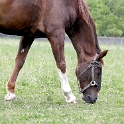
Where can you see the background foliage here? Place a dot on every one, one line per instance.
(108, 16)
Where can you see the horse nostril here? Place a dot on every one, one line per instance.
(91, 99)
(95, 99)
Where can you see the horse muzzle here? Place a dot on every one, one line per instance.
(90, 99)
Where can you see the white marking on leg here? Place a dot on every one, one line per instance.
(22, 51)
(10, 96)
(66, 87)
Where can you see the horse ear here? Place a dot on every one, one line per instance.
(101, 55)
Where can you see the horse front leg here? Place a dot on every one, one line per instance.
(57, 44)
(24, 47)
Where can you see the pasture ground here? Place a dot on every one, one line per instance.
(38, 90)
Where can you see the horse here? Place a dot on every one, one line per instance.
(52, 19)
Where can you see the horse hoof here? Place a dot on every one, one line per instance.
(74, 102)
(10, 96)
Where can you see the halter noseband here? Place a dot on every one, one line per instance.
(93, 65)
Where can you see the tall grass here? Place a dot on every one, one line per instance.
(39, 96)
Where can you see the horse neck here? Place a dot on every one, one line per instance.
(86, 50)
(85, 42)
(83, 34)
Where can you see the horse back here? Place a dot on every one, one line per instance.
(21, 17)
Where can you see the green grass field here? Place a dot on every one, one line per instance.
(39, 96)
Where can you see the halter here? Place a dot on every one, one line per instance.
(92, 66)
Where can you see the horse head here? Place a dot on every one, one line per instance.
(89, 76)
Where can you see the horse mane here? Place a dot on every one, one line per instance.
(84, 12)
(85, 15)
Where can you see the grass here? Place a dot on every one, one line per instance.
(39, 96)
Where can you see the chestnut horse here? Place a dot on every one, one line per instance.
(52, 19)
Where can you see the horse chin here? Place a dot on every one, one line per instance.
(89, 99)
